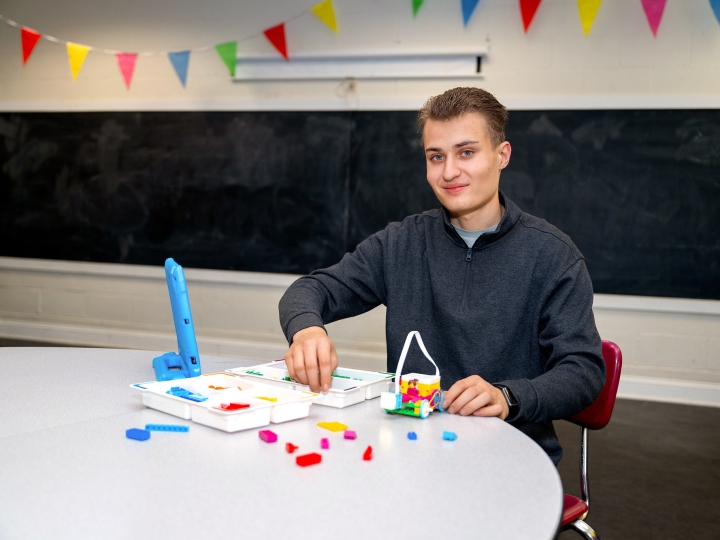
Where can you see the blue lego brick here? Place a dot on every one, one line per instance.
(449, 435)
(412, 436)
(177, 391)
(166, 427)
(137, 434)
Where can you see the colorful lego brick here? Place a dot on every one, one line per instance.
(308, 459)
(367, 455)
(268, 436)
(233, 406)
(290, 447)
(137, 434)
(412, 436)
(333, 426)
(449, 435)
(350, 434)
(265, 398)
(167, 427)
(324, 444)
(419, 384)
(177, 391)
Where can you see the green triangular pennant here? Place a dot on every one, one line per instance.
(228, 53)
(416, 6)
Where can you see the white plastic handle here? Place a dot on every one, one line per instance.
(403, 354)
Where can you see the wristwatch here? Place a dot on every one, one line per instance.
(512, 402)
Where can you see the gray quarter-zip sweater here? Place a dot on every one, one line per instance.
(515, 309)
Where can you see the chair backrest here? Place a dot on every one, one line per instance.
(597, 415)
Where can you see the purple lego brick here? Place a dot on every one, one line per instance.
(267, 435)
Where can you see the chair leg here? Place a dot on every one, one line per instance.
(583, 529)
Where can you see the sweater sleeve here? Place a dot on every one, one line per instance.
(351, 287)
(574, 368)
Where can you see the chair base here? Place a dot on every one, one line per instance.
(583, 529)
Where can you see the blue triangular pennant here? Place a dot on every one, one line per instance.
(468, 6)
(180, 61)
(715, 4)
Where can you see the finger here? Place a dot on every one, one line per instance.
(289, 363)
(463, 399)
(475, 404)
(311, 364)
(490, 410)
(324, 352)
(454, 391)
(299, 365)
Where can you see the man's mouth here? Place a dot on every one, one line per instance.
(452, 190)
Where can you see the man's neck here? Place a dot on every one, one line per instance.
(482, 218)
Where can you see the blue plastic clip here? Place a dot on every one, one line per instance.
(449, 435)
(137, 434)
(166, 427)
(412, 436)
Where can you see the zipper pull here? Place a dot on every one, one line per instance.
(468, 257)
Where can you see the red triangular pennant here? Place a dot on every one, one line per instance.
(528, 9)
(29, 39)
(276, 36)
(126, 63)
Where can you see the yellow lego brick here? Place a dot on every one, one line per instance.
(333, 426)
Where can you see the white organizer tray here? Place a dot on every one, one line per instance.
(349, 386)
(287, 404)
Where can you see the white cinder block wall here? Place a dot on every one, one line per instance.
(671, 346)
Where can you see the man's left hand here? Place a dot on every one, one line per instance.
(475, 396)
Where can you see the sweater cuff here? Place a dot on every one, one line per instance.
(526, 397)
(301, 322)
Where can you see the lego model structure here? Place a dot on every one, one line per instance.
(415, 394)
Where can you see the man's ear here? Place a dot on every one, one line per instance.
(504, 151)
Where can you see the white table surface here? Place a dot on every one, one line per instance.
(67, 471)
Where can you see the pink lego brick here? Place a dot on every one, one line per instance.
(324, 444)
(267, 435)
(350, 434)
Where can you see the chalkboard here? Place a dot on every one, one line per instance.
(637, 191)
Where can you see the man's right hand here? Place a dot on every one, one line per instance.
(311, 358)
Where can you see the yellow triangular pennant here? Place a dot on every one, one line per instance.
(76, 55)
(588, 10)
(325, 12)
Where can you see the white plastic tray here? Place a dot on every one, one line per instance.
(282, 405)
(349, 386)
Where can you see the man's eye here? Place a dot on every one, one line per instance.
(466, 153)
(436, 157)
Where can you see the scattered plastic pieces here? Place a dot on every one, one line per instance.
(272, 399)
(137, 434)
(308, 459)
(350, 434)
(324, 444)
(412, 436)
(367, 455)
(216, 387)
(233, 406)
(268, 436)
(166, 427)
(449, 435)
(290, 447)
(333, 426)
(185, 394)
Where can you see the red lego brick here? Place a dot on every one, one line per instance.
(290, 447)
(367, 455)
(308, 459)
(234, 406)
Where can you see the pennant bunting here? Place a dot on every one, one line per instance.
(180, 61)
(468, 6)
(416, 6)
(588, 9)
(325, 12)
(715, 5)
(528, 9)
(228, 53)
(654, 11)
(276, 36)
(29, 39)
(76, 56)
(126, 63)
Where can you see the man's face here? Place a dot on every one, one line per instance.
(463, 166)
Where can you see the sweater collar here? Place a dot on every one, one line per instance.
(508, 221)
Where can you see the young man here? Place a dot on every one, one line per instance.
(502, 299)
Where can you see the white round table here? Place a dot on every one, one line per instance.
(67, 471)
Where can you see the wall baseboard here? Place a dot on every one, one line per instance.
(631, 387)
(669, 391)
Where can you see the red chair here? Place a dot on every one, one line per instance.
(596, 416)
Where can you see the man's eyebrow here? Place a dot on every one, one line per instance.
(464, 143)
(432, 149)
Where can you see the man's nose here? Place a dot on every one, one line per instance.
(451, 170)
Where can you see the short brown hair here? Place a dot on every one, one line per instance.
(458, 101)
